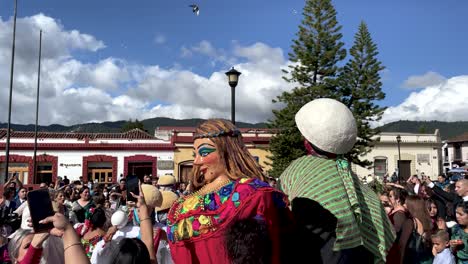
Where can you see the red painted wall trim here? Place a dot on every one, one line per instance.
(140, 158)
(29, 160)
(99, 158)
(78, 146)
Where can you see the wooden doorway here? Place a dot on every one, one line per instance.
(185, 169)
(140, 168)
(101, 175)
(405, 169)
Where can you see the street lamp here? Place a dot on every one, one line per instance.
(398, 139)
(233, 79)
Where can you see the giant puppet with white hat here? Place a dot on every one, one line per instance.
(362, 232)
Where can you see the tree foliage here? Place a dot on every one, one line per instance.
(316, 56)
(360, 89)
(129, 125)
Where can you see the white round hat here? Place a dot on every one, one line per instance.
(119, 218)
(327, 124)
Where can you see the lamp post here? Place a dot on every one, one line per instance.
(233, 79)
(398, 139)
(12, 67)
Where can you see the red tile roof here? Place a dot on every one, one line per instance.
(460, 138)
(247, 140)
(192, 129)
(132, 134)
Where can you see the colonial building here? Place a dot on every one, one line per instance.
(455, 152)
(256, 140)
(420, 153)
(94, 156)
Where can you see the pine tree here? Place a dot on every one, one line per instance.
(315, 54)
(360, 89)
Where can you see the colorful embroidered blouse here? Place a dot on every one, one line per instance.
(196, 223)
(90, 244)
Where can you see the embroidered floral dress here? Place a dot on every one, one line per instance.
(88, 244)
(196, 223)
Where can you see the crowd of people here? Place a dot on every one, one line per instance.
(317, 211)
(430, 218)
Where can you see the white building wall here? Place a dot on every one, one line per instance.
(70, 162)
(411, 145)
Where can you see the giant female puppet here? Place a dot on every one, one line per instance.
(229, 187)
(327, 198)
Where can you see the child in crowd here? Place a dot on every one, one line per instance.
(440, 248)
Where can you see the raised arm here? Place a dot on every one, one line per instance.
(146, 225)
(73, 250)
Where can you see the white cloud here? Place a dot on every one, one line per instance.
(205, 48)
(160, 39)
(75, 91)
(420, 81)
(443, 102)
(185, 52)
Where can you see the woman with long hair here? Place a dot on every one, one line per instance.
(437, 221)
(228, 185)
(59, 203)
(418, 249)
(402, 223)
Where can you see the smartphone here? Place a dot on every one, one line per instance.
(40, 207)
(132, 186)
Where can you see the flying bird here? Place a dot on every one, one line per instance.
(195, 9)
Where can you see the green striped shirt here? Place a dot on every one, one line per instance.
(361, 219)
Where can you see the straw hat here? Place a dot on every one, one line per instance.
(328, 124)
(166, 180)
(168, 198)
(152, 195)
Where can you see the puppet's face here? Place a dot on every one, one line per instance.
(206, 156)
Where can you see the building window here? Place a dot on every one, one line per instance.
(21, 170)
(43, 173)
(256, 158)
(380, 166)
(457, 152)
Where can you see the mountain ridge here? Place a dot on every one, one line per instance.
(447, 129)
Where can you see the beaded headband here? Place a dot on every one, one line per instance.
(225, 133)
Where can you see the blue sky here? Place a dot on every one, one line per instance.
(422, 44)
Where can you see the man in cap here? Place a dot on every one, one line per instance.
(327, 199)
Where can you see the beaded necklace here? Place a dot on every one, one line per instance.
(200, 194)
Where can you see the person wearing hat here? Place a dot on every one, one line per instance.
(122, 229)
(163, 251)
(167, 183)
(347, 216)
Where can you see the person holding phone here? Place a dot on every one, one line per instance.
(73, 249)
(228, 185)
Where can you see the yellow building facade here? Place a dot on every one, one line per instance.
(256, 141)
